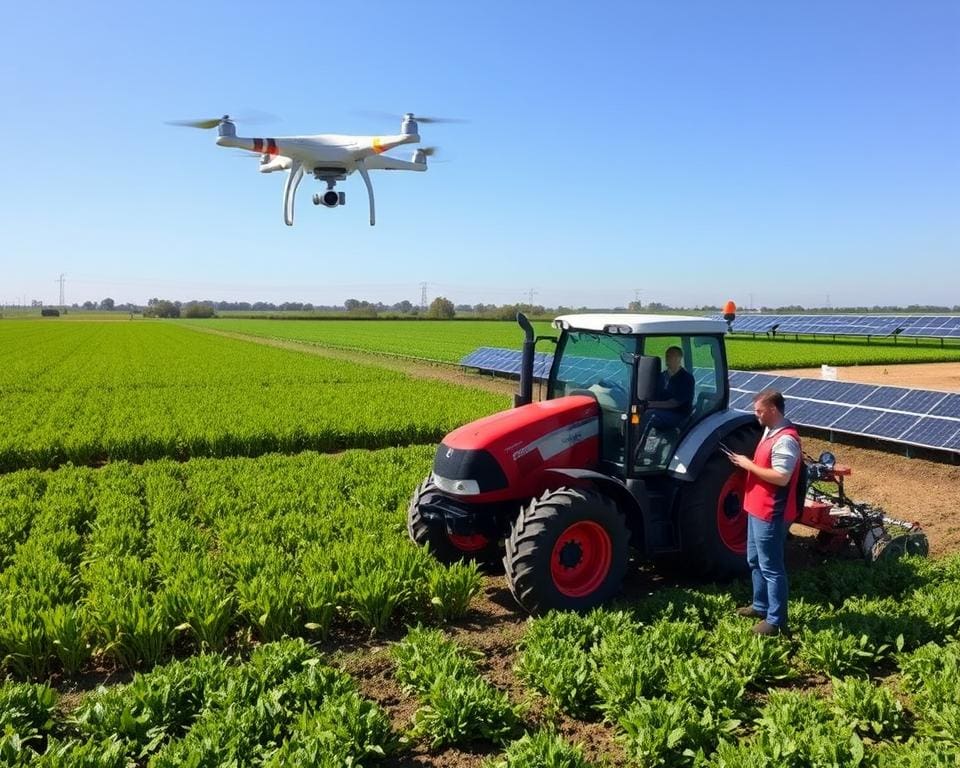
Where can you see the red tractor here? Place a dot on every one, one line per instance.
(563, 488)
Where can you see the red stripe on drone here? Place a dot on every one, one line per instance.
(272, 147)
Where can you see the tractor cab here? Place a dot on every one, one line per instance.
(624, 363)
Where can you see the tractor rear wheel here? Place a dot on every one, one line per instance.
(713, 523)
(431, 533)
(568, 550)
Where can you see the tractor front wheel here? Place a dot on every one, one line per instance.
(568, 550)
(432, 533)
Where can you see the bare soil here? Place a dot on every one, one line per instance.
(943, 376)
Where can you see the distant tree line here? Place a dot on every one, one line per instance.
(444, 309)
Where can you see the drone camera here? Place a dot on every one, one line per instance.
(331, 198)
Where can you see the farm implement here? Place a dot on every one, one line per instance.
(842, 523)
(562, 490)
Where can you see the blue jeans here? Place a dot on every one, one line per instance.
(765, 544)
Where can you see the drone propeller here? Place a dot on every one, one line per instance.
(427, 120)
(251, 118)
(375, 115)
(428, 151)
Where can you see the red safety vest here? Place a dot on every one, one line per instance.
(766, 500)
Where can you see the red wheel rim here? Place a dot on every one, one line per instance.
(731, 519)
(472, 543)
(581, 559)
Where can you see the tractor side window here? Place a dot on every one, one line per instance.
(706, 365)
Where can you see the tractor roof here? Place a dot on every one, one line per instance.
(641, 324)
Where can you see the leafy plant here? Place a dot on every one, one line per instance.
(834, 653)
(452, 588)
(540, 749)
(564, 672)
(465, 709)
(426, 655)
(659, 732)
(756, 659)
(66, 627)
(871, 710)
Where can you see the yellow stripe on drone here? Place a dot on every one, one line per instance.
(378, 146)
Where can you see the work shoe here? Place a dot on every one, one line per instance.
(767, 629)
(750, 612)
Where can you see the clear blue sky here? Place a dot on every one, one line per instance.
(694, 151)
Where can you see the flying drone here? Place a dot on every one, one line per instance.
(329, 157)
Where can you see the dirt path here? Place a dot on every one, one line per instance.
(422, 369)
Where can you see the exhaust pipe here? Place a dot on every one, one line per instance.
(525, 395)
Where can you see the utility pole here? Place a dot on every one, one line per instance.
(532, 293)
(423, 296)
(60, 280)
(636, 297)
(751, 302)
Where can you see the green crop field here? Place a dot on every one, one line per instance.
(88, 392)
(449, 341)
(220, 607)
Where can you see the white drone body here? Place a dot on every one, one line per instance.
(329, 157)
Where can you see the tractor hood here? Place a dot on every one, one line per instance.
(507, 453)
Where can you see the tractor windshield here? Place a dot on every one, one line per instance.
(595, 362)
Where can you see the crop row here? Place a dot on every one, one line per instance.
(282, 707)
(132, 563)
(90, 392)
(450, 341)
(686, 683)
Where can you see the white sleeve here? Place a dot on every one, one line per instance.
(785, 454)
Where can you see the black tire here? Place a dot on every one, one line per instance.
(590, 562)
(434, 536)
(713, 530)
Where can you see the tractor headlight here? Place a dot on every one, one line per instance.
(456, 487)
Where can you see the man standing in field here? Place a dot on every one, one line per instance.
(770, 501)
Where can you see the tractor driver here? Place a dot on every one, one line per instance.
(674, 396)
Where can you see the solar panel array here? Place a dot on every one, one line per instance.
(916, 417)
(912, 326)
(495, 360)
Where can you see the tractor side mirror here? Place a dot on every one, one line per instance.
(648, 373)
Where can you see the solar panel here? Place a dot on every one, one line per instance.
(494, 360)
(891, 425)
(884, 397)
(856, 420)
(913, 326)
(949, 406)
(741, 401)
(932, 431)
(813, 414)
(740, 378)
(920, 401)
(806, 388)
